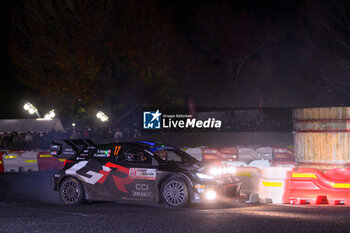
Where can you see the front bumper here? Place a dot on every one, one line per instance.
(223, 192)
(55, 181)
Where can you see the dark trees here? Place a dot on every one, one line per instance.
(111, 55)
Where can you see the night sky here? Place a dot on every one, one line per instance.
(294, 87)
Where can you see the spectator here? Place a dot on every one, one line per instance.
(86, 133)
(118, 136)
(136, 133)
(28, 137)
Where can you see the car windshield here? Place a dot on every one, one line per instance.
(172, 154)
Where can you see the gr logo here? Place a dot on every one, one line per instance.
(151, 120)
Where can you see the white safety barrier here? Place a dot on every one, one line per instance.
(247, 154)
(261, 163)
(249, 176)
(13, 162)
(264, 153)
(272, 184)
(195, 152)
(234, 163)
(20, 161)
(30, 160)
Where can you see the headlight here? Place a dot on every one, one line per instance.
(210, 194)
(204, 176)
(218, 171)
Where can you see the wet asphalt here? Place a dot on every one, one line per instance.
(28, 204)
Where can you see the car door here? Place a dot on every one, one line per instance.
(137, 175)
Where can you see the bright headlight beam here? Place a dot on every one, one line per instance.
(218, 171)
(204, 176)
(210, 194)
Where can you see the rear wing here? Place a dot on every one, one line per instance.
(70, 148)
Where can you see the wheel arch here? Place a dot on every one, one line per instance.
(181, 176)
(80, 181)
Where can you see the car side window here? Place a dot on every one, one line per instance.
(134, 155)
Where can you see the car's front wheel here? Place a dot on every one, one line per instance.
(71, 191)
(174, 192)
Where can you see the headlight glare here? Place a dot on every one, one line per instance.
(204, 176)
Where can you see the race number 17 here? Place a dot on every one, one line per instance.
(116, 150)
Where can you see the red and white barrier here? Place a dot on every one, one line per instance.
(311, 186)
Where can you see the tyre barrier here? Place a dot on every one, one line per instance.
(47, 162)
(311, 186)
(272, 184)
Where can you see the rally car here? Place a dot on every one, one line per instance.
(140, 171)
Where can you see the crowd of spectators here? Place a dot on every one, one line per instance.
(8, 139)
(117, 134)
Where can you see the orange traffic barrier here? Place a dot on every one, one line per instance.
(225, 154)
(211, 154)
(311, 186)
(229, 153)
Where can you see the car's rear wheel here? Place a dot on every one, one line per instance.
(71, 191)
(174, 192)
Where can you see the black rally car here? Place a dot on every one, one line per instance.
(140, 171)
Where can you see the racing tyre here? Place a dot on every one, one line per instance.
(174, 192)
(71, 191)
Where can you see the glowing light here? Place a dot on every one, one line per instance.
(31, 111)
(50, 115)
(102, 116)
(210, 194)
(217, 171)
(30, 108)
(26, 106)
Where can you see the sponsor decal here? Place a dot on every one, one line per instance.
(141, 190)
(142, 173)
(103, 153)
